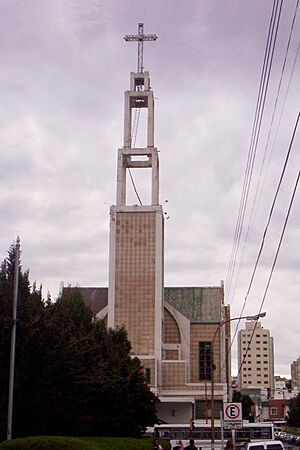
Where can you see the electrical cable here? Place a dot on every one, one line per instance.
(260, 105)
(235, 240)
(249, 228)
(266, 227)
(134, 187)
(273, 267)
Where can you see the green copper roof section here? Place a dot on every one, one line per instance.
(198, 304)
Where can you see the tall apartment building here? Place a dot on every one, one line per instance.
(258, 367)
(295, 373)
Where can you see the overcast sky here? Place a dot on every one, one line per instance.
(64, 68)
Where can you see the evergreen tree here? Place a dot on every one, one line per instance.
(73, 376)
(28, 304)
(247, 405)
(293, 415)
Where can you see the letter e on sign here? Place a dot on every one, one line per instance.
(233, 415)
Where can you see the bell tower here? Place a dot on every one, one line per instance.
(135, 293)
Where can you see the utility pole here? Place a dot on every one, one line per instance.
(13, 340)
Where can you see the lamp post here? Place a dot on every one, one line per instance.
(213, 367)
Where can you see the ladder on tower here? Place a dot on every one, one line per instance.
(135, 125)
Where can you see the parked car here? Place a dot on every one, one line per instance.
(290, 439)
(297, 441)
(265, 445)
(282, 435)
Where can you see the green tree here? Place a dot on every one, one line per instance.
(29, 302)
(73, 376)
(293, 415)
(247, 405)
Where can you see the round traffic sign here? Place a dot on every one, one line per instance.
(232, 411)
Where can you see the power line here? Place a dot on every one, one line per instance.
(267, 226)
(273, 266)
(134, 187)
(269, 134)
(239, 218)
(260, 105)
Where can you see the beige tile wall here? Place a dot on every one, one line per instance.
(173, 375)
(135, 277)
(171, 330)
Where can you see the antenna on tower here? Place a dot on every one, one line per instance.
(140, 38)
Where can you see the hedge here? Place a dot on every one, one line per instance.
(65, 443)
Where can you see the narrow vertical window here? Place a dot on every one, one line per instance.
(205, 360)
(148, 375)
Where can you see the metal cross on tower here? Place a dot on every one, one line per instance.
(140, 38)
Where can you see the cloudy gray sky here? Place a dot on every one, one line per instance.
(64, 68)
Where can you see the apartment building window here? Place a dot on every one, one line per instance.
(265, 342)
(259, 382)
(265, 382)
(258, 362)
(266, 375)
(257, 356)
(258, 342)
(273, 411)
(265, 349)
(205, 360)
(258, 368)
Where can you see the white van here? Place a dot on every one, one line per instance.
(265, 445)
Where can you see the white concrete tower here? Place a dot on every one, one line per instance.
(135, 293)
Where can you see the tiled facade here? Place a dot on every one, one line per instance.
(171, 330)
(135, 278)
(174, 375)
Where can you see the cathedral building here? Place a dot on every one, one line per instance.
(178, 333)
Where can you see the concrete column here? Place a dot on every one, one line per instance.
(155, 178)
(159, 276)
(112, 269)
(150, 131)
(127, 120)
(121, 179)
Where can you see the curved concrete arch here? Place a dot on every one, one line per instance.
(184, 329)
(102, 313)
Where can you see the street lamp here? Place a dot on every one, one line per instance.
(213, 367)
